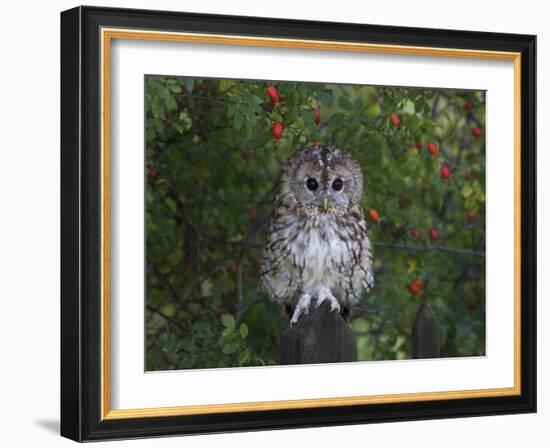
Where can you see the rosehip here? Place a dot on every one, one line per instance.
(415, 233)
(419, 145)
(373, 214)
(152, 173)
(410, 145)
(476, 132)
(277, 130)
(316, 115)
(445, 172)
(434, 150)
(273, 94)
(471, 216)
(256, 261)
(395, 120)
(434, 234)
(468, 105)
(415, 287)
(472, 306)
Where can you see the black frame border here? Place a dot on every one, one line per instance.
(81, 223)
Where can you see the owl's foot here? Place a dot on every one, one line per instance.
(302, 307)
(326, 294)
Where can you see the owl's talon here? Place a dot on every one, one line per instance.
(302, 307)
(326, 294)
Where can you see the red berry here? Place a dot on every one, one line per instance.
(468, 105)
(476, 132)
(445, 172)
(419, 145)
(434, 234)
(273, 94)
(316, 115)
(253, 214)
(434, 150)
(415, 233)
(410, 146)
(256, 261)
(471, 216)
(374, 215)
(395, 119)
(472, 306)
(416, 286)
(277, 130)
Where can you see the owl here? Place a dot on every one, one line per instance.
(317, 247)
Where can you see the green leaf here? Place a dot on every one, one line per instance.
(243, 329)
(151, 134)
(467, 191)
(171, 204)
(206, 288)
(169, 309)
(231, 348)
(244, 357)
(256, 100)
(171, 103)
(189, 84)
(175, 88)
(344, 103)
(238, 121)
(227, 331)
(228, 321)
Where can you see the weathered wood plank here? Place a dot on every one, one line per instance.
(425, 334)
(321, 337)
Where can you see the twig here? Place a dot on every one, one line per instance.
(428, 248)
(363, 311)
(168, 319)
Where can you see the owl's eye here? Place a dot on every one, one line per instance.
(338, 184)
(312, 184)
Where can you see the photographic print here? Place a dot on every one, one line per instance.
(347, 219)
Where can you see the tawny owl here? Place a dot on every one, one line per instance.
(317, 245)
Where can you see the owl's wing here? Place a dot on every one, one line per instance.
(359, 269)
(279, 277)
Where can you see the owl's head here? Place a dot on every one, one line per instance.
(323, 179)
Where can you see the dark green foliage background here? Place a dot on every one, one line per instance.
(212, 164)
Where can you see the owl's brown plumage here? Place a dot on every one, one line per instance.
(317, 245)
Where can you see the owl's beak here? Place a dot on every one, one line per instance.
(325, 204)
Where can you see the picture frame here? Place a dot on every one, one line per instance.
(87, 34)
